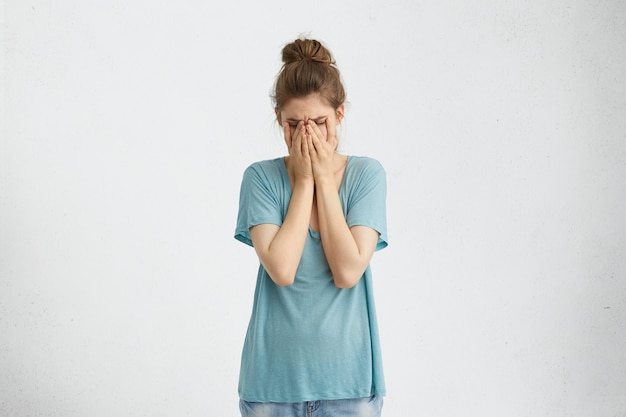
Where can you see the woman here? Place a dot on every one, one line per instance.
(315, 218)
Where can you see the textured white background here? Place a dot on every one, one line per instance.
(126, 126)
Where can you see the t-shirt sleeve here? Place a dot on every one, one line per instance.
(258, 203)
(368, 200)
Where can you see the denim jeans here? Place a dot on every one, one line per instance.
(355, 407)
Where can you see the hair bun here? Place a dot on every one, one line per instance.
(307, 50)
(308, 67)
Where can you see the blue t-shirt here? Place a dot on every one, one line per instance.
(311, 340)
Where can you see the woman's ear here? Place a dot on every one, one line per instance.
(339, 113)
(278, 117)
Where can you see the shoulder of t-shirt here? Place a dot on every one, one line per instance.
(367, 165)
(266, 168)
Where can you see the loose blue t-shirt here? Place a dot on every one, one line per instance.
(311, 340)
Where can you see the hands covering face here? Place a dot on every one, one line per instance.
(298, 151)
(311, 148)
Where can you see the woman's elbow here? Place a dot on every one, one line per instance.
(282, 278)
(346, 281)
(283, 282)
(281, 274)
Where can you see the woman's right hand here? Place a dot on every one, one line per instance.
(299, 158)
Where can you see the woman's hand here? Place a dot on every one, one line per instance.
(321, 149)
(299, 158)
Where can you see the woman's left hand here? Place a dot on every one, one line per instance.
(322, 149)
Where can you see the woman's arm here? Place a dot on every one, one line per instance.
(348, 250)
(280, 248)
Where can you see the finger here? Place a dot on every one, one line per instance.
(296, 138)
(306, 151)
(312, 152)
(297, 142)
(316, 137)
(300, 130)
(307, 140)
(314, 130)
(287, 133)
(310, 149)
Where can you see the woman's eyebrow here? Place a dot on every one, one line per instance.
(301, 120)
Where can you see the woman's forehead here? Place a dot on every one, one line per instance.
(309, 107)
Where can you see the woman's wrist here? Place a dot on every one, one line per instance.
(323, 181)
(304, 182)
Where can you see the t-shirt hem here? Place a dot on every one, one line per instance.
(313, 397)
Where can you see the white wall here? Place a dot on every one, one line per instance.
(126, 126)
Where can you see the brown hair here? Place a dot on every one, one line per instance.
(308, 67)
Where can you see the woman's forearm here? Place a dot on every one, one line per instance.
(347, 255)
(280, 248)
